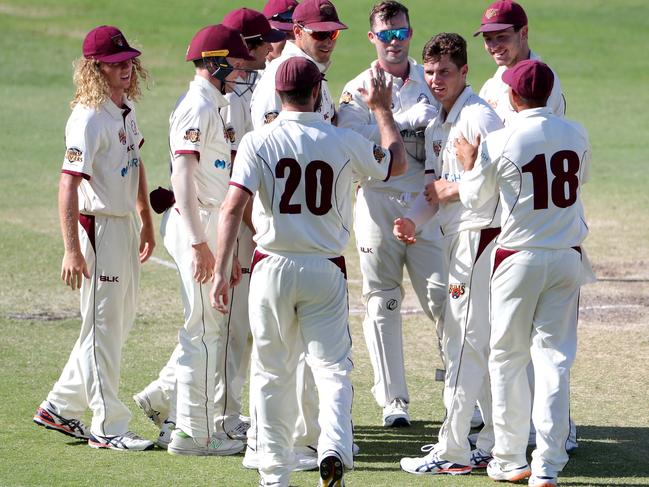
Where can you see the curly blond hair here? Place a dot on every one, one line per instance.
(92, 87)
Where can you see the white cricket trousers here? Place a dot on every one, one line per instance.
(196, 353)
(90, 378)
(235, 343)
(382, 258)
(296, 303)
(465, 343)
(534, 307)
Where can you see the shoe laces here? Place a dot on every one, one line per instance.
(132, 436)
(429, 447)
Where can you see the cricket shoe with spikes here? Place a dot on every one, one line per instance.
(331, 471)
(47, 417)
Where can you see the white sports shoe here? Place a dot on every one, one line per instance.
(480, 458)
(396, 414)
(510, 473)
(46, 416)
(542, 481)
(183, 444)
(164, 438)
(144, 403)
(129, 441)
(239, 430)
(306, 458)
(432, 464)
(476, 419)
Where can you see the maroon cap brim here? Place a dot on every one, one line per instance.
(325, 26)
(273, 35)
(492, 28)
(283, 26)
(118, 57)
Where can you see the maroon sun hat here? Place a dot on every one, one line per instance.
(253, 24)
(217, 40)
(531, 79)
(502, 15)
(107, 43)
(297, 72)
(280, 13)
(318, 15)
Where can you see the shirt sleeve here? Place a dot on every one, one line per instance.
(246, 173)
(233, 120)
(187, 131)
(557, 101)
(481, 183)
(81, 145)
(265, 104)
(368, 159)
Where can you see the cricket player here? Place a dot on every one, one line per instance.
(536, 166)
(316, 27)
(300, 169)
(505, 34)
(234, 343)
(102, 187)
(469, 239)
(378, 204)
(200, 171)
(280, 15)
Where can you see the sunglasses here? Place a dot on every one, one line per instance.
(388, 35)
(321, 36)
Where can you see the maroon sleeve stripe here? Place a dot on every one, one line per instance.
(141, 143)
(389, 166)
(184, 151)
(75, 173)
(241, 186)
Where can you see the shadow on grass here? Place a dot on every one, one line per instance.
(604, 451)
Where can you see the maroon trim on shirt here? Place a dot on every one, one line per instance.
(340, 262)
(185, 151)
(429, 171)
(256, 257)
(141, 143)
(88, 224)
(75, 173)
(577, 248)
(487, 235)
(389, 166)
(241, 186)
(501, 255)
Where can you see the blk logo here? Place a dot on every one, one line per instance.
(109, 278)
(366, 250)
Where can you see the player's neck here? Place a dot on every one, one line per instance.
(523, 55)
(448, 104)
(117, 97)
(401, 70)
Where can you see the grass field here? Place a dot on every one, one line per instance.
(599, 50)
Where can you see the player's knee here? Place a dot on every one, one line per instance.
(384, 304)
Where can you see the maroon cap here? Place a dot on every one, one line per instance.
(502, 15)
(253, 25)
(107, 43)
(217, 40)
(318, 15)
(280, 13)
(297, 72)
(530, 79)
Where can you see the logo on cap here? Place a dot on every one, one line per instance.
(327, 10)
(490, 13)
(118, 40)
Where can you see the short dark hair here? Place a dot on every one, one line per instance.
(450, 44)
(534, 102)
(296, 97)
(387, 10)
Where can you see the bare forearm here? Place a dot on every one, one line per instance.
(69, 213)
(229, 221)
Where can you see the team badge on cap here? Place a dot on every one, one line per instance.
(74, 155)
(491, 13)
(345, 98)
(193, 135)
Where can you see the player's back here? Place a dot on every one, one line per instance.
(543, 165)
(304, 193)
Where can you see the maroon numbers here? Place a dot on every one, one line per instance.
(318, 178)
(564, 166)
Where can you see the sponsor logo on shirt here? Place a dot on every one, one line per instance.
(345, 98)
(270, 116)
(366, 250)
(122, 136)
(379, 153)
(221, 164)
(456, 290)
(134, 127)
(452, 178)
(109, 278)
(193, 135)
(74, 155)
(134, 162)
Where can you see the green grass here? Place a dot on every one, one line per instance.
(597, 47)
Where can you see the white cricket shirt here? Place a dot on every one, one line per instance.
(196, 127)
(266, 105)
(103, 146)
(537, 165)
(496, 92)
(469, 117)
(354, 113)
(236, 115)
(301, 170)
